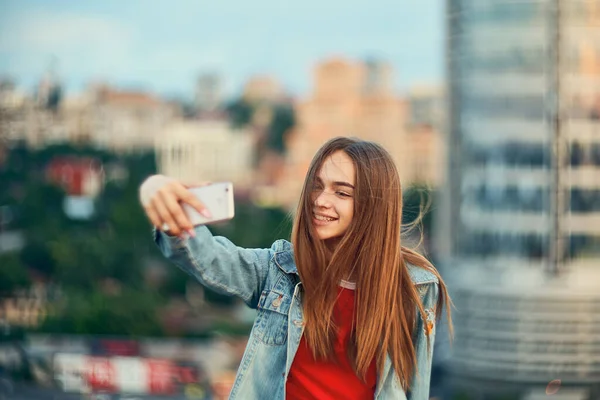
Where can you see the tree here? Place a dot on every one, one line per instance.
(240, 113)
(283, 121)
(37, 256)
(254, 226)
(130, 313)
(12, 274)
(417, 203)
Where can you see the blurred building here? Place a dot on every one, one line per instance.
(104, 117)
(82, 179)
(10, 96)
(25, 120)
(78, 176)
(27, 307)
(426, 106)
(127, 120)
(33, 119)
(209, 94)
(13, 104)
(263, 88)
(197, 151)
(520, 222)
(358, 99)
(49, 92)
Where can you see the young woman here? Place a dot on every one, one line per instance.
(344, 310)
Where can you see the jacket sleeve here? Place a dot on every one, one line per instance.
(219, 264)
(425, 333)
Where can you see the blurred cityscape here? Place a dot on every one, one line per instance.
(523, 194)
(506, 151)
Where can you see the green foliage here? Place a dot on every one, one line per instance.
(113, 246)
(129, 313)
(283, 120)
(240, 113)
(461, 396)
(13, 275)
(36, 255)
(82, 260)
(229, 329)
(175, 283)
(255, 227)
(417, 203)
(78, 254)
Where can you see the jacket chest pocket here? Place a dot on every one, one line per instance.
(271, 324)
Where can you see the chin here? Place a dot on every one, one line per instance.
(329, 235)
(326, 235)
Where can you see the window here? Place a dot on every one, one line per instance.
(585, 200)
(492, 244)
(511, 198)
(581, 246)
(530, 107)
(584, 154)
(511, 154)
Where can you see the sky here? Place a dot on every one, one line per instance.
(163, 46)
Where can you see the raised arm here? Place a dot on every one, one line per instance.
(214, 261)
(219, 264)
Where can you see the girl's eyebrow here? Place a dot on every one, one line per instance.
(336, 183)
(341, 183)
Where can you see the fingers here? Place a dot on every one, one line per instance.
(165, 216)
(185, 195)
(153, 216)
(162, 198)
(170, 200)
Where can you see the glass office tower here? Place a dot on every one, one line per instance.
(519, 237)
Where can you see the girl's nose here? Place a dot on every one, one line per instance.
(323, 200)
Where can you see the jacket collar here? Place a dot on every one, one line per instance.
(421, 276)
(285, 261)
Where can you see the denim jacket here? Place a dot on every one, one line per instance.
(267, 280)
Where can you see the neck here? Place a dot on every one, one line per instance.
(332, 244)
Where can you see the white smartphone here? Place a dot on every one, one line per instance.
(218, 199)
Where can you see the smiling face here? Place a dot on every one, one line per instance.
(333, 196)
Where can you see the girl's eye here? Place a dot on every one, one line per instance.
(343, 194)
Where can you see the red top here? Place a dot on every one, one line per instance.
(325, 380)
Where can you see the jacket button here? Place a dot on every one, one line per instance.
(298, 322)
(276, 303)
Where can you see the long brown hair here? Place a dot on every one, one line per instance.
(386, 299)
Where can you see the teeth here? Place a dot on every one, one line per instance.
(322, 218)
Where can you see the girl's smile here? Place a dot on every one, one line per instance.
(322, 220)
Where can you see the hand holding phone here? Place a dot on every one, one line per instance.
(176, 208)
(217, 198)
